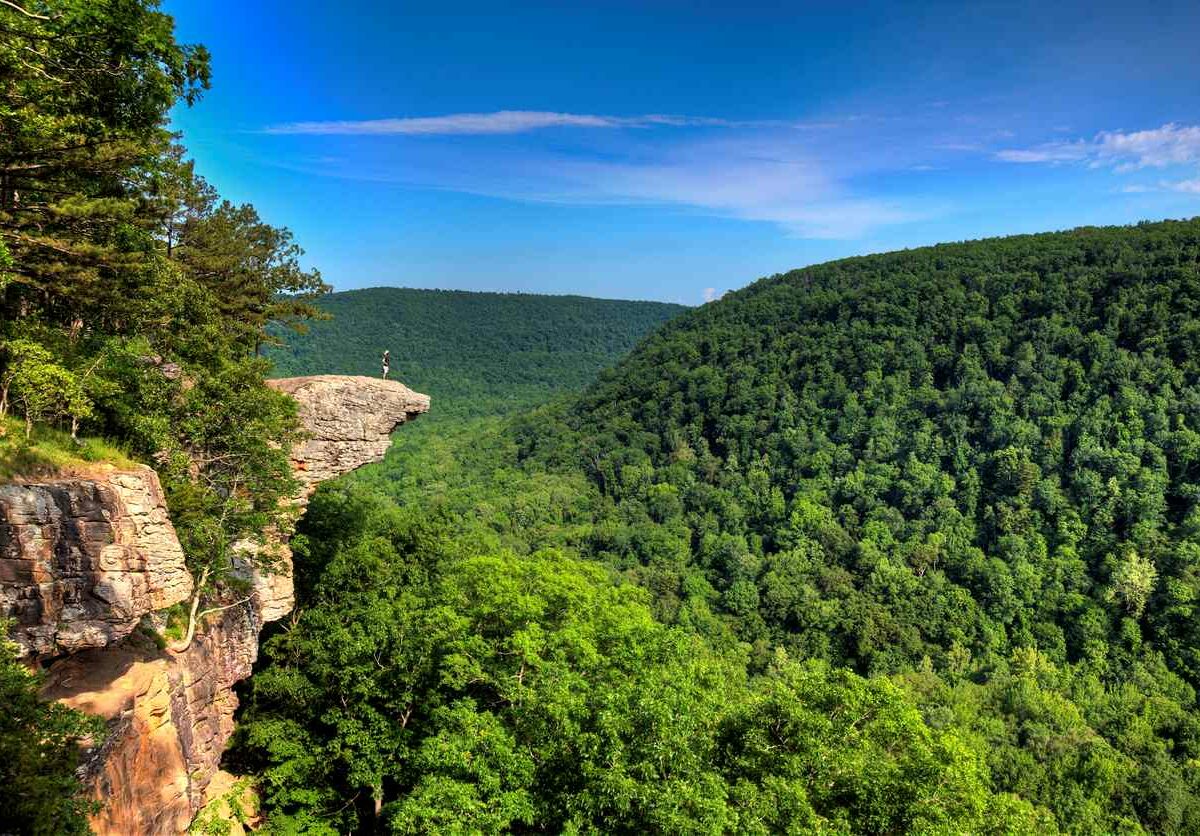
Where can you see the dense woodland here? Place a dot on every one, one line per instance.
(903, 543)
(484, 354)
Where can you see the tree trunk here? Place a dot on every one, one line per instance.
(183, 645)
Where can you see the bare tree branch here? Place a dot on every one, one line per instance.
(14, 6)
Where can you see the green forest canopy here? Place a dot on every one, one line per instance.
(476, 354)
(964, 477)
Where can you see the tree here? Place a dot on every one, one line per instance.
(1132, 582)
(87, 87)
(252, 268)
(228, 475)
(44, 390)
(39, 751)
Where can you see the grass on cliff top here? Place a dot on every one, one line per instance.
(50, 451)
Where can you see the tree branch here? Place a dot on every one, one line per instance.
(196, 618)
(14, 6)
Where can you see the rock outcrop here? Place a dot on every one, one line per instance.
(82, 559)
(170, 714)
(350, 421)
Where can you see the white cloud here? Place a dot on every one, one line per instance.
(833, 219)
(1170, 145)
(498, 122)
(748, 179)
(1053, 152)
(1183, 186)
(797, 175)
(1166, 146)
(710, 293)
(958, 146)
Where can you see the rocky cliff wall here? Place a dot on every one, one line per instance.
(170, 714)
(82, 559)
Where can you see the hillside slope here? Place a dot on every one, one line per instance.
(477, 353)
(968, 473)
(1015, 419)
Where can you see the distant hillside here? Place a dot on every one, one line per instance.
(968, 473)
(474, 353)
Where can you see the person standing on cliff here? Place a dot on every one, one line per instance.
(387, 363)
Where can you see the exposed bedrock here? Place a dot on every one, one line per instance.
(350, 421)
(83, 559)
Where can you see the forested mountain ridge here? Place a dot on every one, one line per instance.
(962, 476)
(1031, 398)
(481, 353)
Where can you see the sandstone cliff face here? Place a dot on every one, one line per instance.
(169, 718)
(170, 715)
(83, 559)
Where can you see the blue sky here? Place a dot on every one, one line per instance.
(671, 150)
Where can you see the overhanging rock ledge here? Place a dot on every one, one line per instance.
(170, 715)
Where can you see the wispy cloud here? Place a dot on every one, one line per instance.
(1181, 186)
(1170, 145)
(748, 178)
(795, 174)
(1050, 152)
(964, 147)
(498, 122)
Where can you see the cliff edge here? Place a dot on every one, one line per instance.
(84, 558)
(350, 421)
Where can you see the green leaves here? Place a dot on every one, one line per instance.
(1132, 582)
(39, 387)
(491, 693)
(83, 110)
(816, 749)
(39, 751)
(473, 777)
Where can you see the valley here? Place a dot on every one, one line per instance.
(904, 539)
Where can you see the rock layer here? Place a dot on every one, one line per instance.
(83, 559)
(170, 715)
